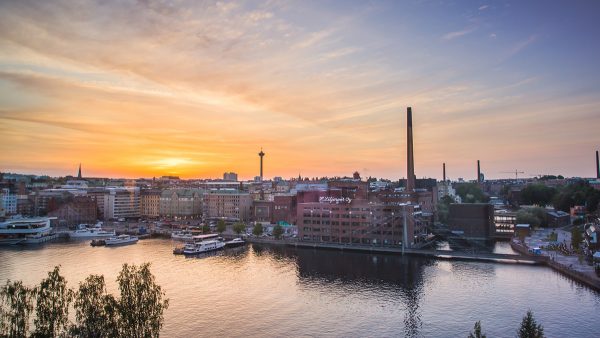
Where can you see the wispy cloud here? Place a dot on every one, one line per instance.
(521, 45)
(481, 8)
(458, 34)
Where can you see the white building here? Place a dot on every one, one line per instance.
(121, 202)
(8, 202)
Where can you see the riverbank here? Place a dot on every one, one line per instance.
(556, 262)
(439, 254)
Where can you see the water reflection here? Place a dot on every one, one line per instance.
(402, 276)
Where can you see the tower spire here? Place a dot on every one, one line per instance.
(79, 172)
(261, 154)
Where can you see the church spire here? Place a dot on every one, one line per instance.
(79, 172)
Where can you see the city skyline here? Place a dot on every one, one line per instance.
(196, 89)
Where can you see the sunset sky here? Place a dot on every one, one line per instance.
(192, 88)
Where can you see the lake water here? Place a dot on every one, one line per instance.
(267, 291)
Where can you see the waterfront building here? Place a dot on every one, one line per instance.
(97, 194)
(25, 230)
(79, 210)
(230, 204)
(121, 202)
(284, 208)
(472, 220)
(150, 202)
(181, 203)
(504, 223)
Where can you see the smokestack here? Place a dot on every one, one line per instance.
(597, 166)
(444, 171)
(478, 172)
(410, 161)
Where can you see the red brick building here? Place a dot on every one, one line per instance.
(81, 209)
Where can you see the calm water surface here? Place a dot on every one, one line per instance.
(262, 291)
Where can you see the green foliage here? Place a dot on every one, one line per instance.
(443, 208)
(52, 306)
(578, 193)
(277, 231)
(576, 237)
(205, 229)
(138, 313)
(221, 226)
(471, 193)
(16, 304)
(258, 229)
(96, 311)
(530, 328)
(239, 227)
(525, 217)
(476, 331)
(535, 216)
(140, 308)
(538, 194)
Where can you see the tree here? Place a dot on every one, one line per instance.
(476, 331)
(530, 328)
(95, 310)
(576, 237)
(277, 231)
(52, 307)
(443, 209)
(239, 227)
(538, 194)
(221, 226)
(140, 308)
(205, 229)
(258, 229)
(524, 217)
(471, 193)
(16, 304)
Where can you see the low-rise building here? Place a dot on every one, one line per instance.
(472, 220)
(230, 204)
(185, 203)
(81, 209)
(558, 218)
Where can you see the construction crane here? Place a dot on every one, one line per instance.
(516, 172)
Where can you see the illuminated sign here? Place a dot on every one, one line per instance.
(336, 200)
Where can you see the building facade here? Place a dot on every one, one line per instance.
(185, 203)
(121, 202)
(228, 204)
(150, 203)
(81, 209)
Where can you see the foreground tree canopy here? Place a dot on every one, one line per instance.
(138, 312)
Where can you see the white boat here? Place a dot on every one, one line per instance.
(235, 243)
(26, 230)
(91, 233)
(121, 240)
(203, 246)
(182, 235)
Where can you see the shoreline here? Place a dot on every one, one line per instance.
(523, 258)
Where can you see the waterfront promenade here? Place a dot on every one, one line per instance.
(440, 254)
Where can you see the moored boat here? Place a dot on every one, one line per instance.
(203, 246)
(235, 243)
(121, 240)
(95, 232)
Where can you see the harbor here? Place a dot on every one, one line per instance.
(289, 287)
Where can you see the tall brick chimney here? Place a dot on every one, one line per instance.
(410, 161)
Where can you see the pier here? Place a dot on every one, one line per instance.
(439, 254)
